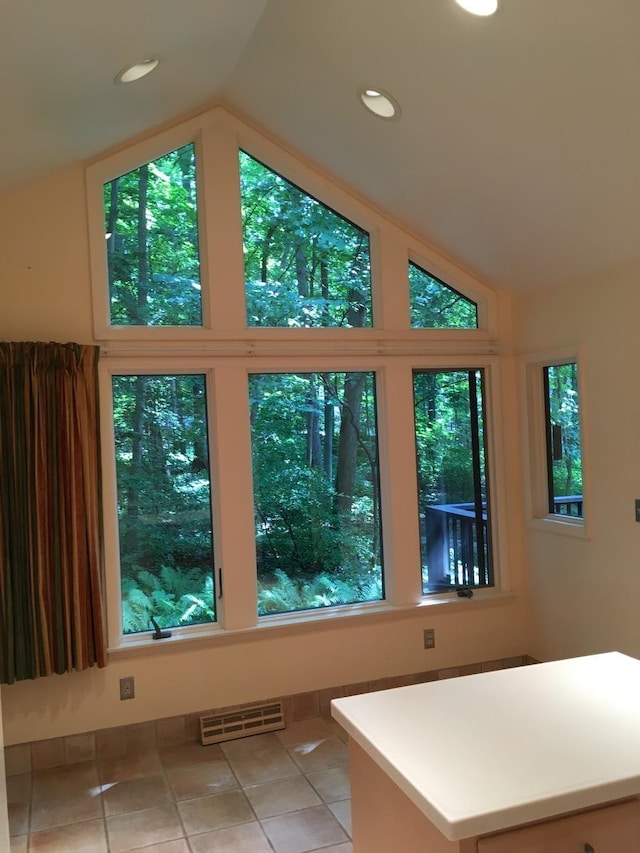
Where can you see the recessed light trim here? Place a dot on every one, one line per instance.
(479, 7)
(136, 71)
(379, 102)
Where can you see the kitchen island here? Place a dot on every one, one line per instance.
(536, 759)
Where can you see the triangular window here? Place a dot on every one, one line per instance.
(435, 305)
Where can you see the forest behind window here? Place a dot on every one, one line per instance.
(151, 223)
(435, 305)
(305, 265)
(164, 500)
(564, 456)
(317, 495)
(297, 424)
(453, 486)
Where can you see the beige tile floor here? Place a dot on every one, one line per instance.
(282, 792)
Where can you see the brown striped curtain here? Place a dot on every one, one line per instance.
(51, 609)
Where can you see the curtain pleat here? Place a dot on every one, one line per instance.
(51, 606)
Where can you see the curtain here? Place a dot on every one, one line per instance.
(51, 608)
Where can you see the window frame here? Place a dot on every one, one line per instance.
(226, 350)
(537, 474)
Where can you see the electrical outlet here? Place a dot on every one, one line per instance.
(429, 638)
(127, 687)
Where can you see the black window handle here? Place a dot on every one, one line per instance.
(589, 849)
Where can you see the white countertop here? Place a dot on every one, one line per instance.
(484, 752)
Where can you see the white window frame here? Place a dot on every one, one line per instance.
(536, 472)
(226, 350)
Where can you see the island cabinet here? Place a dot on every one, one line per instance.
(609, 829)
(541, 759)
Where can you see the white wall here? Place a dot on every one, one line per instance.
(45, 294)
(585, 595)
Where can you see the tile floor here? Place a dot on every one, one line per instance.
(282, 792)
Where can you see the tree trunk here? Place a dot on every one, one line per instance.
(142, 317)
(348, 443)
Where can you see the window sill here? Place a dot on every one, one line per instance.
(561, 525)
(290, 625)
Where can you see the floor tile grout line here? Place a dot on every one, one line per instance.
(289, 750)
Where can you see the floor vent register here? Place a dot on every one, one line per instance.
(242, 723)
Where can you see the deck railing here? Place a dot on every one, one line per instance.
(450, 550)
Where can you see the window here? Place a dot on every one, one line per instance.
(435, 305)
(317, 495)
(556, 443)
(259, 420)
(305, 265)
(151, 223)
(562, 429)
(453, 492)
(164, 500)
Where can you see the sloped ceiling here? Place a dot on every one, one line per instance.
(516, 153)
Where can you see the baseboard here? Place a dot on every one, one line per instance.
(170, 731)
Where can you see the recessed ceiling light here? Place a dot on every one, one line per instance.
(380, 103)
(479, 7)
(136, 71)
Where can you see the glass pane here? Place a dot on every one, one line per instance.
(435, 305)
(151, 220)
(317, 496)
(452, 479)
(563, 439)
(164, 501)
(305, 265)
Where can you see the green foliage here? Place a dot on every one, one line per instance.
(435, 305)
(564, 412)
(314, 435)
(173, 597)
(311, 522)
(305, 265)
(164, 496)
(443, 436)
(285, 594)
(152, 243)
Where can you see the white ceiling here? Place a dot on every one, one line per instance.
(517, 151)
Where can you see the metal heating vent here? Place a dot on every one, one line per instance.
(241, 723)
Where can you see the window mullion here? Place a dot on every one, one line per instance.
(399, 485)
(390, 281)
(230, 448)
(221, 239)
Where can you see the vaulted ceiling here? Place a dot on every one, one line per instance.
(516, 152)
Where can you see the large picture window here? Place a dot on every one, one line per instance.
(317, 495)
(258, 421)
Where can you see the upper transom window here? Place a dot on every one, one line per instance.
(436, 305)
(151, 220)
(305, 264)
